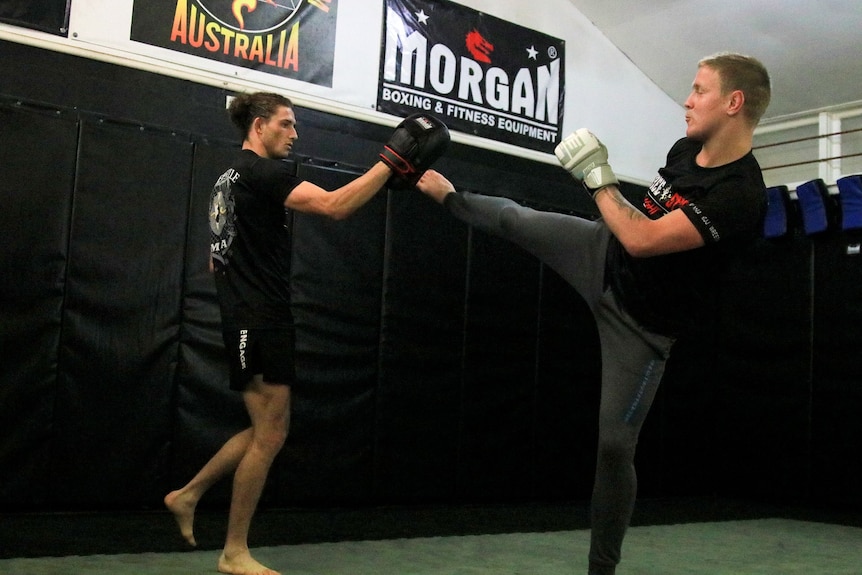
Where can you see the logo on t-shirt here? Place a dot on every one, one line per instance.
(222, 218)
(661, 199)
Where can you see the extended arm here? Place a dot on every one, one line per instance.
(340, 203)
(414, 145)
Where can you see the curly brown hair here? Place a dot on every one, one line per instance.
(244, 108)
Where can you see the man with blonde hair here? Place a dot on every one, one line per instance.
(648, 272)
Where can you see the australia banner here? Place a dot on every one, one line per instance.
(290, 38)
(479, 74)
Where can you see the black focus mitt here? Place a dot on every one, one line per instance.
(415, 144)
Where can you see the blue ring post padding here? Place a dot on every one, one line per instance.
(850, 197)
(812, 197)
(775, 223)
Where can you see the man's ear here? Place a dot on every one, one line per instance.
(257, 125)
(735, 102)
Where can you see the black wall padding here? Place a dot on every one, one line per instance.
(763, 371)
(454, 420)
(419, 416)
(499, 368)
(436, 363)
(675, 450)
(79, 83)
(121, 315)
(37, 158)
(51, 16)
(336, 283)
(837, 369)
(566, 397)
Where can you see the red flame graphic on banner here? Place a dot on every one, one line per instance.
(479, 47)
(251, 6)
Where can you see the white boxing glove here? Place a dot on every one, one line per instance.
(586, 158)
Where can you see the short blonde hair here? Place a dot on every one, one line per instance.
(740, 72)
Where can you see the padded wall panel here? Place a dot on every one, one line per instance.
(419, 399)
(816, 207)
(676, 449)
(777, 220)
(336, 275)
(122, 314)
(837, 370)
(38, 162)
(763, 372)
(113, 91)
(499, 370)
(850, 201)
(206, 412)
(757, 383)
(567, 394)
(51, 16)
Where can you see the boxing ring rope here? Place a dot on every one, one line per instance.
(808, 139)
(804, 162)
(816, 155)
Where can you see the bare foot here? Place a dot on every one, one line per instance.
(184, 513)
(243, 564)
(435, 185)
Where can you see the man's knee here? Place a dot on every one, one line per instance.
(617, 448)
(509, 219)
(271, 439)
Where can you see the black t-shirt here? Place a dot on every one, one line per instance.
(250, 242)
(674, 294)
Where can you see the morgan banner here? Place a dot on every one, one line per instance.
(479, 74)
(290, 38)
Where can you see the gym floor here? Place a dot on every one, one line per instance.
(703, 536)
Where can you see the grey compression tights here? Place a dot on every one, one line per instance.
(633, 359)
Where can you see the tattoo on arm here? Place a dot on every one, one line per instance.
(624, 205)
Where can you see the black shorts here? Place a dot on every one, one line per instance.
(268, 352)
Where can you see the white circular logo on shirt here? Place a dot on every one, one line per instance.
(222, 217)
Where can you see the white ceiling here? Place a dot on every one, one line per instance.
(813, 50)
